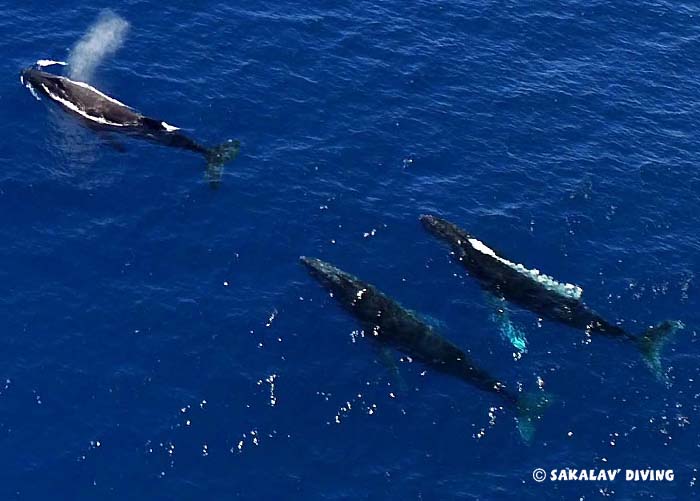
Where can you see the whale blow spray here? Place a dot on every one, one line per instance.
(103, 39)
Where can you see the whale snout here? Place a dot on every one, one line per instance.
(322, 270)
(433, 224)
(23, 74)
(314, 265)
(443, 229)
(427, 219)
(28, 76)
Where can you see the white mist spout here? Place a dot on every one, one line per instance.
(103, 39)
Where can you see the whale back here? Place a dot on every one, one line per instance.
(83, 99)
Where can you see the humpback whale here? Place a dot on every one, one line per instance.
(541, 293)
(101, 112)
(391, 325)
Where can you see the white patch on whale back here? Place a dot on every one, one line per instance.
(49, 62)
(564, 289)
(98, 92)
(169, 128)
(74, 108)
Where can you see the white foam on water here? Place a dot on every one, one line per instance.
(564, 289)
(74, 108)
(102, 39)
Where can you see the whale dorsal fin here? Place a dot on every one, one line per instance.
(152, 123)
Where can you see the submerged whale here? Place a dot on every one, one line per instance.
(392, 325)
(541, 293)
(104, 113)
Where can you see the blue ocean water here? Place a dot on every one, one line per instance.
(161, 341)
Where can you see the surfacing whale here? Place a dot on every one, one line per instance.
(388, 323)
(541, 293)
(104, 113)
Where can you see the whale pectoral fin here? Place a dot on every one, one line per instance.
(113, 143)
(387, 359)
(109, 140)
(530, 407)
(509, 330)
(434, 322)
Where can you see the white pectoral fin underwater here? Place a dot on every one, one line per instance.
(541, 294)
(530, 408)
(399, 328)
(509, 330)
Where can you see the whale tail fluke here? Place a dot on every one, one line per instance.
(217, 157)
(652, 342)
(530, 408)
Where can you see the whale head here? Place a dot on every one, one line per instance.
(38, 81)
(30, 76)
(324, 272)
(342, 284)
(444, 229)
